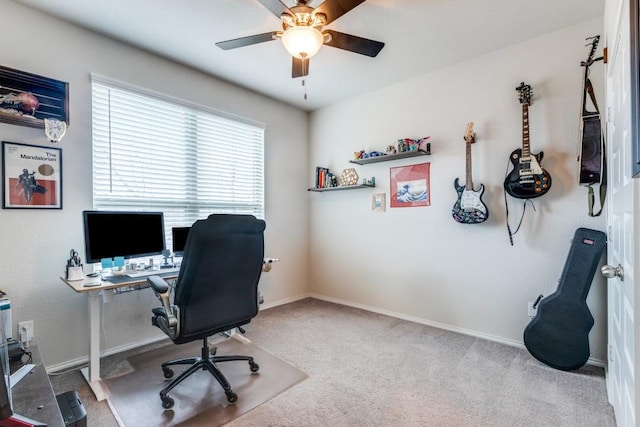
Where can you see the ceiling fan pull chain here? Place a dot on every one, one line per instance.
(305, 88)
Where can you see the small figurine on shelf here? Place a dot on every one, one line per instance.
(391, 149)
(375, 154)
(371, 182)
(408, 144)
(364, 155)
(422, 143)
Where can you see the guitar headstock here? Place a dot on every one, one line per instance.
(592, 51)
(468, 135)
(524, 93)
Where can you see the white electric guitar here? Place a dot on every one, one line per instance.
(469, 208)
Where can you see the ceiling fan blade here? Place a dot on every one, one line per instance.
(334, 9)
(299, 67)
(354, 43)
(246, 41)
(276, 7)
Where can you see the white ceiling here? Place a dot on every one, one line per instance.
(419, 35)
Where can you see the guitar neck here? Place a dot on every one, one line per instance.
(526, 150)
(469, 182)
(585, 79)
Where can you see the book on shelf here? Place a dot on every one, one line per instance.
(324, 178)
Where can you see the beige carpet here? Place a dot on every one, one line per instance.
(199, 400)
(370, 370)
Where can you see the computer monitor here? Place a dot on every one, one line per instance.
(179, 239)
(110, 234)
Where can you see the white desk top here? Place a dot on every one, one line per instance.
(90, 284)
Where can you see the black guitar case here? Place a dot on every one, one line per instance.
(558, 335)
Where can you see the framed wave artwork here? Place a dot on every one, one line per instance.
(409, 186)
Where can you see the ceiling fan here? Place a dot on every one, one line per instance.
(303, 35)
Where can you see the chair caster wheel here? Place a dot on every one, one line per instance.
(231, 397)
(254, 366)
(167, 402)
(168, 373)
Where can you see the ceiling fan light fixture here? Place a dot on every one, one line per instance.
(302, 41)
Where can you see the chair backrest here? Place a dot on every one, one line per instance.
(217, 287)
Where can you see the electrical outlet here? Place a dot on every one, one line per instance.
(531, 311)
(25, 331)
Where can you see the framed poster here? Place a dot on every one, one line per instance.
(31, 176)
(409, 186)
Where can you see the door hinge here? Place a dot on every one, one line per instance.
(610, 351)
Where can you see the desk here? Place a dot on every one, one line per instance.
(33, 396)
(92, 373)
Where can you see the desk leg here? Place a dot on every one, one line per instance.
(92, 374)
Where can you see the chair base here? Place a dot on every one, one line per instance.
(206, 362)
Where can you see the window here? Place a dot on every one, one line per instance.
(155, 153)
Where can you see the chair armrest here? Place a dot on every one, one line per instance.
(161, 287)
(158, 284)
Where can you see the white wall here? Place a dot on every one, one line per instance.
(36, 243)
(419, 262)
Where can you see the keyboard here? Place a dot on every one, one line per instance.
(159, 272)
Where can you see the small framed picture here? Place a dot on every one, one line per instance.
(378, 202)
(31, 176)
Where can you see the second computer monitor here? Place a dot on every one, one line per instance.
(179, 236)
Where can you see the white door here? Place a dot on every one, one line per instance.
(620, 217)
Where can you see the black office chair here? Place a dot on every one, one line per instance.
(216, 291)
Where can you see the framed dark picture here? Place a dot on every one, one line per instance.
(31, 176)
(635, 85)
(27, 99)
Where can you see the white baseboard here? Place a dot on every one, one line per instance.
(79, 362)
(397, 315)
(284, 301)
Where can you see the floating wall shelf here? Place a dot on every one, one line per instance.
(389, 157)
(341, 187)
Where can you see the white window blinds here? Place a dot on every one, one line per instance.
(154, 153)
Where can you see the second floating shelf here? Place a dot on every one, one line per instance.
(340, 187)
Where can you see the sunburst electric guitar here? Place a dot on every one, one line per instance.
(469, 208)
(527, 179)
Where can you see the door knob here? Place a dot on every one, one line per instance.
(610, 272)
